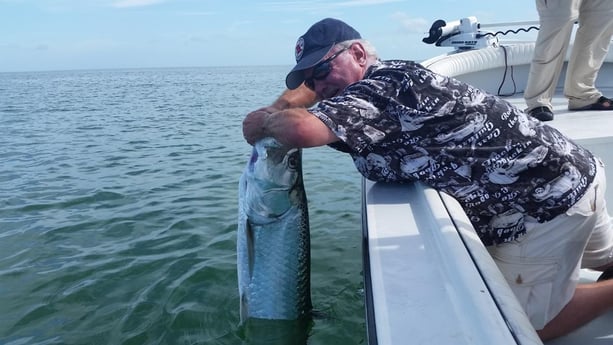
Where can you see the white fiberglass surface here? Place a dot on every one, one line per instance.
(425, 286)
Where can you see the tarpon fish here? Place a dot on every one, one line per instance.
(273, 239)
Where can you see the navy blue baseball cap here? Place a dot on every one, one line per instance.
(315, 44)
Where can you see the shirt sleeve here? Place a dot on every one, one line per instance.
(358, 116)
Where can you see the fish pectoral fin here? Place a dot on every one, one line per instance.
(244, 307)
(249, 232)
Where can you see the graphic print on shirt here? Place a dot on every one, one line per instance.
(506, 171)
(405, 123)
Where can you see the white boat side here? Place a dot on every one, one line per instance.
(428, 278)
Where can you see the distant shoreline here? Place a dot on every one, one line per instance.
(143, 68)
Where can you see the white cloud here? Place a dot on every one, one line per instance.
(411, 24)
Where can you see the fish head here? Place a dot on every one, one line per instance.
(274, 172)
(277, 165)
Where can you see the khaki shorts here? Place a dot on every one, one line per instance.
(542, 267)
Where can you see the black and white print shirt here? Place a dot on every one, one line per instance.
(405, 123)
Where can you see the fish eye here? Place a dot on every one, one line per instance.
(292, 162)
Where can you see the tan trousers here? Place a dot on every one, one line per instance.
(542, 267)
(592, 39)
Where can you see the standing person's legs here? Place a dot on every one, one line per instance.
(590, 48)
(556, 23)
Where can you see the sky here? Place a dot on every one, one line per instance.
(39, 35)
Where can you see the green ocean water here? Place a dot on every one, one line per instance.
(118, 209)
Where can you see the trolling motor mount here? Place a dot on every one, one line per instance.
(463, 34)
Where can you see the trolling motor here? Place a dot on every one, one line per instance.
(463, 34)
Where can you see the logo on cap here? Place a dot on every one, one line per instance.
(299, 48)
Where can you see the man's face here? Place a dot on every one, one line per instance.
(337, 70)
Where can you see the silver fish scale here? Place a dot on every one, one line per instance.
(273, 248)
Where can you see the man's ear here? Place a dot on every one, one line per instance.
(358, 51)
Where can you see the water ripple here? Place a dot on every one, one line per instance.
(118, 209)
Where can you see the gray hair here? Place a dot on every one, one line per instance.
(370, 49)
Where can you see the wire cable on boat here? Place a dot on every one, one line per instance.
(443, 34)
(504, 76)
(494, 34)
(506, 63)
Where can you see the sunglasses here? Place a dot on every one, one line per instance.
(321, 70)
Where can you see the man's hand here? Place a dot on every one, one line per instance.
(254, 125)
(294, 127)
(257, 123)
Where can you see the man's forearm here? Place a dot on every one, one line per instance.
(298, 128)
(301, 97)
(288, 120)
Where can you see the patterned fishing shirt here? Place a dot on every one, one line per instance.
(404, 123)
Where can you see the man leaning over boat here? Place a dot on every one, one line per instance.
(534, 197)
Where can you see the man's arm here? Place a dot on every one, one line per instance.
(288, 121)
(294, 127)
(302, 97)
